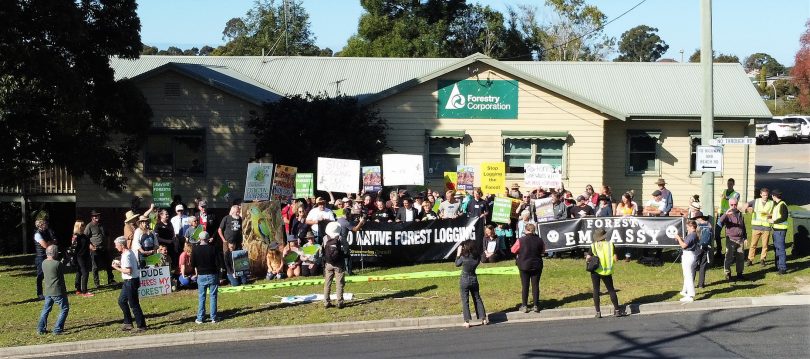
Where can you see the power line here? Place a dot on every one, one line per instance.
(583, 35)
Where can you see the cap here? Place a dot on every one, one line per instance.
(656, 193)
(93, 213)
(777, 192)
(121, 240)
(178, 207)
(698, 214)
(581, 198)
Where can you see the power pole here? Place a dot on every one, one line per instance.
(707, 115)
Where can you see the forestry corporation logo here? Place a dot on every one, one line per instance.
(456, 100)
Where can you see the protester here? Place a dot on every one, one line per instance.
(605, 252)
(656, 205)
(287, 214)
(734, 224)
(427, 213)
(180, 220)
(128, 300)
(81, 245)
(581, 209)
(235, 278)
(478, 207)
(607, 192)
(558, 207)
(318, 214)
(43, 238)
(351, 221)
(515, 191)
(703, 256)
(382, 214)
(393, 202)
(275, 262)
(205, 219)
(524, 222)
(591, 197)
(144, 243)
(760, 226)
(298, 225)
(492, 250)
(529, 250)
(193, 231)
(98, 246)
(417, 205)
(689, 246)
(230, 228)
(292, 258)
(450, 208)
(164, 260)
(54, 292)
(333, 264)
(604, 209)
(406, 213)
(164, 233)
(468, 256)
(506, 237)
(728, 194)
(779, 224)
(310, 263)
(207, 264)
(187, 277)
(130, 224)
(694, 206)
(626, 207)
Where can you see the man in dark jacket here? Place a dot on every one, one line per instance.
(406, 213)
(733, 221)
(529, 250)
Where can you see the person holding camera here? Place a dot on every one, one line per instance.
(606, 253)
(468, 256)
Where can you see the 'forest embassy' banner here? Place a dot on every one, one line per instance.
(405, 243)
(645, 232)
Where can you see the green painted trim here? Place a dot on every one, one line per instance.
(457, 134)
(535, 135)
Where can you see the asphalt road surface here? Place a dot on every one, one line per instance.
(778, 332)
(787, 167)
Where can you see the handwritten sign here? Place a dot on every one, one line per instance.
(338, 175)
(303, 185)
(541, 175)
(501, 210)
(466, 178)
(372, 179)
(162, 193)
(493, 177)
(155, 281)
(284, 182)
(258, 181)
(403, 170)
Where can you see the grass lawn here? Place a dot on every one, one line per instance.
(564, 284)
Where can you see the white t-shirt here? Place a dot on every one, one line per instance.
(136, 241)
(449, 210)
(657, 204)
(128, 260)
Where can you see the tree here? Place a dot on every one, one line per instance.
(759, 60)
(273, 29)
(149, 50)
(59, 102)
(727, 58)
(641, 44)
(191, 52)
(801, 69)
(476, 29)
(319, 126)
(206, 50)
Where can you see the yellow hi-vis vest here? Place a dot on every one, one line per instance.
(775, 214)
(761, 212)
(724, 206)
(603, 250)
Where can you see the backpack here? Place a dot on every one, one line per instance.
(705, 236)
(333, 251)
(147, 242)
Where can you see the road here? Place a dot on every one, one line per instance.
(787, 167)
(782, 332)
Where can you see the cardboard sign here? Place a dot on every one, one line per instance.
(162, 193)
(155, 281)
(493, 177)
(303, 185)
(450, 181)
(501, 210)
(466, 178)
(258, 181)
(541, 175)
(372, 179)
(284, 182)
(240, 259)
(338, 175)
(403, 170)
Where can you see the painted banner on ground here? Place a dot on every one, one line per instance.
(450, 181)
(258, 181)
(403, 170)
(372, 179)
(338, 175)
(541, 175)
(162, 194)
(411, 242)
(155, 281)
(284, 182)
(501, 210)
(465, 178)
(493, 177)
(303, 185)
(645, 232)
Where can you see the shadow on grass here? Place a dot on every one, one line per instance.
(399, 294)
(16, 261)
(148, 317)
(729, 289)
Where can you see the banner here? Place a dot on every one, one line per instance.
(372, 179)
(644, 232)
(411, 242)
(450, 181)
(491, 99)
(544, 209)
(493, 177)
(283, 182)
(541, 175)
(303, 185)
(258, 182)
(155, 281)
(403, 170)
(162, 194)
(465, 178)
(502, 210)
(338, 175)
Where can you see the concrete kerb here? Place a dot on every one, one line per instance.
(297, 331)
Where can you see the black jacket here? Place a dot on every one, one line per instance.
(530, 253)
(402, 213)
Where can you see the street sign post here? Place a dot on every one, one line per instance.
(709, 159)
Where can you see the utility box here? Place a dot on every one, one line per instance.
(801, 236)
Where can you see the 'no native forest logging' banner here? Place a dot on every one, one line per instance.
(644, 232)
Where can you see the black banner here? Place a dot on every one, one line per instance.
(411, 242)
(644, 232)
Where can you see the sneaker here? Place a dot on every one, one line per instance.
(740, 277)
(682, 293)
(466, 324)
(524, 309)
(328, 305)
(140, 329)
(536, 309)
(214, 321)
(485, 321)
(687, 299)
(126, 327)
(340, 305)
(598, 315)
(619, 313)
(42, 332)
(198, 321)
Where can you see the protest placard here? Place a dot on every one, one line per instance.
(258, 181)
(303, 185)
(466, 178)
(493, 177)
(372, 179)
(501, 210)
(155, 281)
(240, 260)
(403, 170)
(284, 182)
(450, 181)
(338, 175)
(541, 175)
(162, 194)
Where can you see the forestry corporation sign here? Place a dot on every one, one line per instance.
(483, 99)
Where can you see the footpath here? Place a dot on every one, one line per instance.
(801, 297)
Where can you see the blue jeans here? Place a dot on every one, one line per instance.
(128, 300)
(237, 280)
(208, 282)
(64, 307)
(779, 244)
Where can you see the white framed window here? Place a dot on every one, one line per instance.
(445, 152)
(175, 152)
(642, 152)
(517, 152)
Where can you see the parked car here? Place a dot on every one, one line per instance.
(766, 136)
(786, 131)
(804, 124)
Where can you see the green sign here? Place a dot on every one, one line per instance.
(162, 194)
(495, 99)
(303, 185)
(501, 210)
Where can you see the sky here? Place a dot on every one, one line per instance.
(740, 27)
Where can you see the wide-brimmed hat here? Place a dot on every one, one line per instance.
(599, 234)
(660, 182)
(143, 218)
(130, 217)
(309, 235)
(515, 186)
(697, 215)
(94, 213)
(333, 229)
